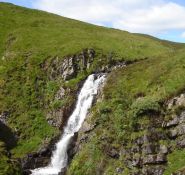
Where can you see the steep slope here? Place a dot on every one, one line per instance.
(135, 129)
(33, 47)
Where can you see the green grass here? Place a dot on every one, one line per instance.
(176, 161)
(7, 167)
(42, 34)
(30, 38)
(129, 96)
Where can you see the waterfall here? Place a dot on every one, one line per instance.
(59, 158)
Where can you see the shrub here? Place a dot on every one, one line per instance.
(145, 105)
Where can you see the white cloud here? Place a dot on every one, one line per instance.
(146, 16)
(183, 35)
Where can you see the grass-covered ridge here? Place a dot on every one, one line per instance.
(43, 34)
(28, 38)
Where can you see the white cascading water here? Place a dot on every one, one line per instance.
(59, 159)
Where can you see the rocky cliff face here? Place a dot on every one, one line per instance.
(70, 66)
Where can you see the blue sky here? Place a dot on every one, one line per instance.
(164, 19)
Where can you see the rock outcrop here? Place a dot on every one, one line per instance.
(70, 66)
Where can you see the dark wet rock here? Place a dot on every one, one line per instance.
(7, 136)
(40, 158)
(63, 171)
(73, 147)
(45, 152)
(33, 161)
(26, 172)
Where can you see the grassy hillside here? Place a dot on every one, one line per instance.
(128, 96)
(28, 38)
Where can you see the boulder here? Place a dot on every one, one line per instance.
(163, 149)
(148, 149)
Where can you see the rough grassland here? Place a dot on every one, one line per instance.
(154, 81)
(30, 37)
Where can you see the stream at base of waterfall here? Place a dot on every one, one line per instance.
(59, 159)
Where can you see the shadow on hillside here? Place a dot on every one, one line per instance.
(7, 136)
